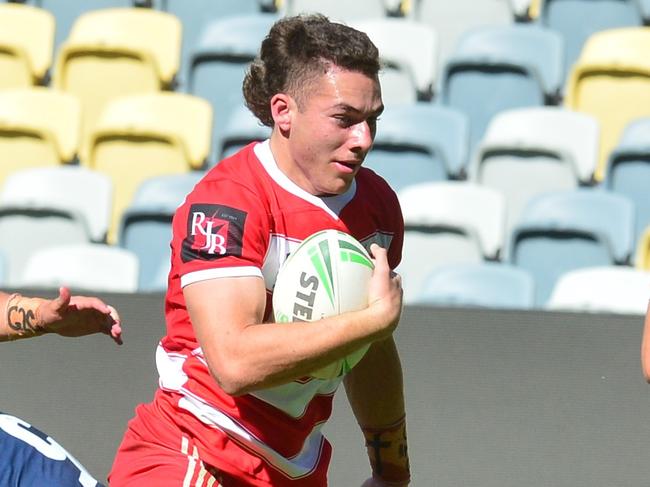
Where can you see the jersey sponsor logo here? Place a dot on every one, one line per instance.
(213, 231)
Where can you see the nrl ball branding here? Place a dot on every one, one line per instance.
(327, 274)
(303, 308)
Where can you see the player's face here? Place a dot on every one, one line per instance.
(332, 130)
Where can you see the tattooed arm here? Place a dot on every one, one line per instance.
(375, 391)
(66, 315)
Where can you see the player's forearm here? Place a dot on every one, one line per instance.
(265, 355)
(19, 317)
(376, 394)
(375, 386)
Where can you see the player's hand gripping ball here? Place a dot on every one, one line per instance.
(326, 275)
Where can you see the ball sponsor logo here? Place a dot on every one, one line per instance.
(303, 308)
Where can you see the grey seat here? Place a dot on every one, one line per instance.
(488, 284)
(567, 230)
(420, 142)
(219, 61)
(576, 20)
(628, 170)
(499, 68)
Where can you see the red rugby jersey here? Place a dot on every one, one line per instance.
(242, 219)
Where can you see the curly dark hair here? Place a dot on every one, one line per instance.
(299, 49)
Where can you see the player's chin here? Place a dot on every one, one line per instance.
(340, 185)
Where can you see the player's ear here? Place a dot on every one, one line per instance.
(281, 108)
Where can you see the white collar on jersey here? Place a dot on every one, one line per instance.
(331, 204)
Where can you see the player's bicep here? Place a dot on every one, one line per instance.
(220, 309)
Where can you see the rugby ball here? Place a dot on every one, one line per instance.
(326, 275)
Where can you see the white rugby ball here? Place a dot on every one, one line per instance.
(326, 275)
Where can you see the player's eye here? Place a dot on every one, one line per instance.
(344, 120)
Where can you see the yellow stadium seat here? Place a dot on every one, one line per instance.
(38, 127)
(534, 8)
(611, 81)
(642, 257)
(117, 52)
(147, 135)
(26, 44)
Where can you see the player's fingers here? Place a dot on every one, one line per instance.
(62, 300)
(85, 302)
(116, 333)
(112, 312)
(380, 256)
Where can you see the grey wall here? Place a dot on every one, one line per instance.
(495, 398)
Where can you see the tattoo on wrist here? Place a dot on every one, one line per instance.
(388, 451)
(21, 315)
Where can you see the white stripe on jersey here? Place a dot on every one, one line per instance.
(205, 274)
(202, 471)
(293, 398)
(172, 378)
(191, 462)
(300, 465)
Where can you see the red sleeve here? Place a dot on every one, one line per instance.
(397, 242)
(221, 230)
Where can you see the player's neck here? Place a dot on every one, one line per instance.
(284, 160)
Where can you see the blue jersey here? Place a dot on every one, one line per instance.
(30, 458)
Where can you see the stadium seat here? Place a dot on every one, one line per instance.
(218, 63)
(567, 230)
(341, 10)
(196, 15)
(611, 81)
(38, 127)
(577, 20)
(147, 135)
(145, 227)
(26, 42)
(488, 284)
(628, 170)
(25, 230)
(409, 51)
(85, 194)
(613, 289)
(420, 142)
(534, 9)
(66, 12)
(452, 20)
(448, 222)
(116, 52)
(241, 128)
(499, 68)
(529, 151)
(92, 267)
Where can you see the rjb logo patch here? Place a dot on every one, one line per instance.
(213, 231)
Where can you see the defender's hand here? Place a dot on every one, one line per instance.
(73, 316)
